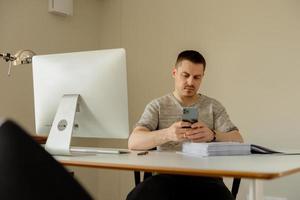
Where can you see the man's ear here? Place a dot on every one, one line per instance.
(174, 71)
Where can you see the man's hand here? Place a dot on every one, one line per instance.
(177, 132)
(199, 132)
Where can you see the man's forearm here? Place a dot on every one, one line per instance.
(232, 136)
(144, 139)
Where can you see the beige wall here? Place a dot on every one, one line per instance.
(251, 49)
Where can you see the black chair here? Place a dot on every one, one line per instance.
(234, 188)
(27, 171)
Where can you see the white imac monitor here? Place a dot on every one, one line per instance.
(83, 94)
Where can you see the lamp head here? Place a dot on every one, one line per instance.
(23, 57)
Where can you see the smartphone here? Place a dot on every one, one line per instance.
(190, 114)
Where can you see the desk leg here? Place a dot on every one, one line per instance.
(256, 190)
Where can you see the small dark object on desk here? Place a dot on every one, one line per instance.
(142, 153)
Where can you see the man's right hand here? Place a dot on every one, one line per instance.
(142, 138)
(176, 132)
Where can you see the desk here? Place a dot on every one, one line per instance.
(254, 167)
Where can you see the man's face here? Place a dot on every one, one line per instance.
(188, 77)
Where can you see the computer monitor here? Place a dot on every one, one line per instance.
(80, 93)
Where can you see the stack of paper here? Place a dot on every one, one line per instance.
(216, 148)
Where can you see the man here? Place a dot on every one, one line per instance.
(161, 126)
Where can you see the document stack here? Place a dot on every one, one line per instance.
(216, 148)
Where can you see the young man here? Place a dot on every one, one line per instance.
(161, 126)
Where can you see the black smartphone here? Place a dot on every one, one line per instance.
(190, 114)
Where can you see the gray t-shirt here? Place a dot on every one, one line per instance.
(162, 112)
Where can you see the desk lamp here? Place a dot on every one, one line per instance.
(21, 57)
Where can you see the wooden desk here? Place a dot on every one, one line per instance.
(254, 167)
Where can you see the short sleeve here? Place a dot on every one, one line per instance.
(149, 118)
(222, 121)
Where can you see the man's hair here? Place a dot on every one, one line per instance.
(192, 56)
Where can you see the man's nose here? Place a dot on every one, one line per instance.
(190, 81)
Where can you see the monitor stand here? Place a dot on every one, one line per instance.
(59, 139)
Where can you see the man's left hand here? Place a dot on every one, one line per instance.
(199, 132)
